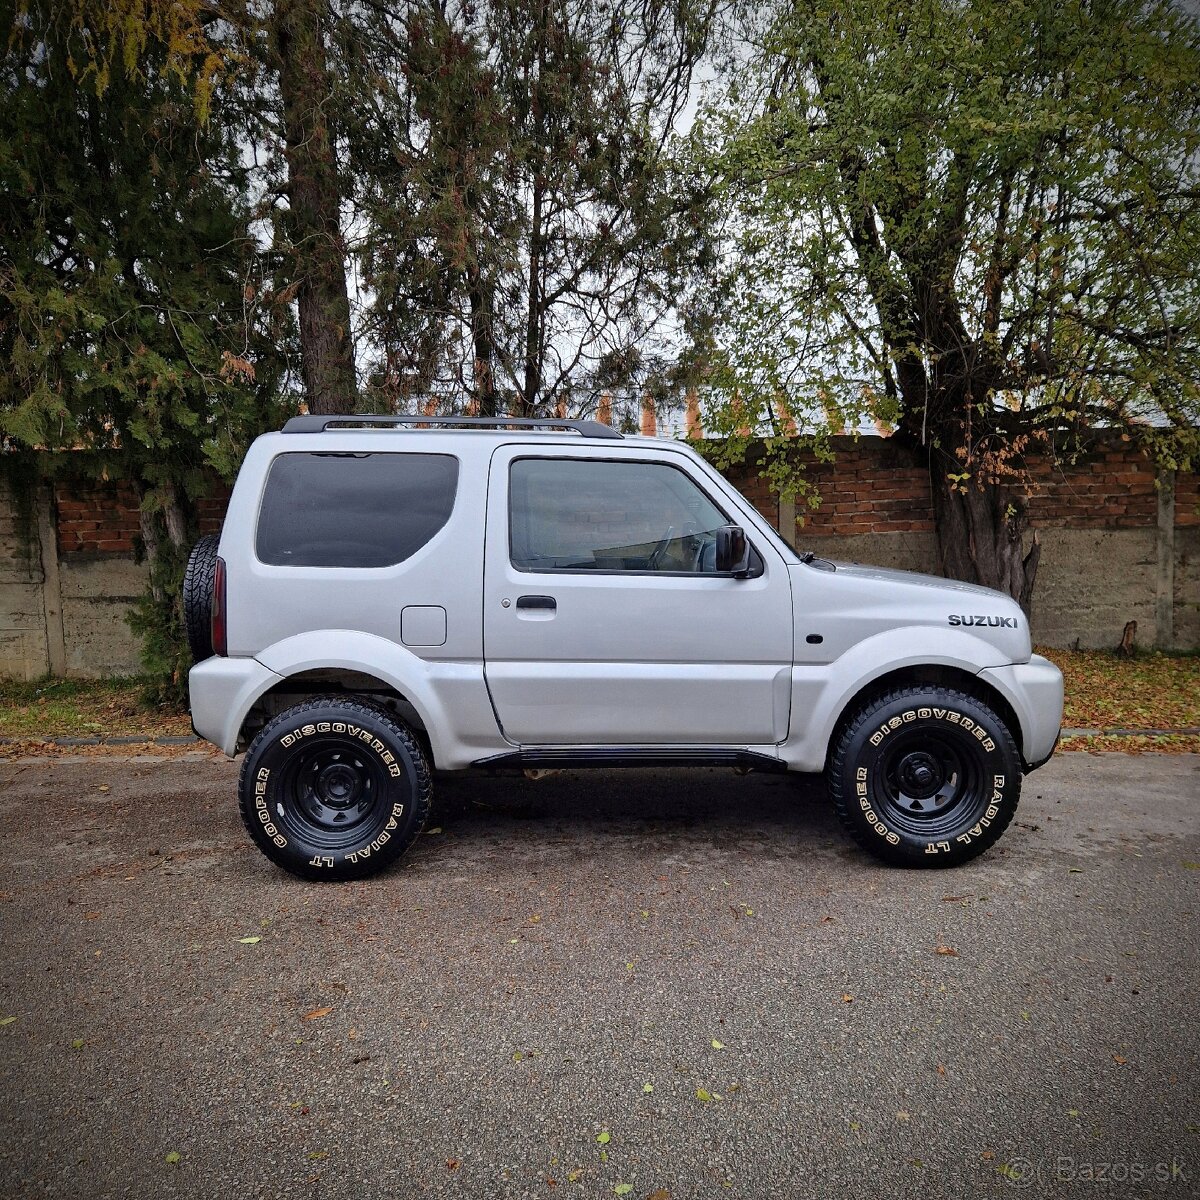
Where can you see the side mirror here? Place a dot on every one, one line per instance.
(733, 551)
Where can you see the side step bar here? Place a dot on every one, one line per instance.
(623, 756)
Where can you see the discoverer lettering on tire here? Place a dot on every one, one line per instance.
(334, 789)
(925, 776)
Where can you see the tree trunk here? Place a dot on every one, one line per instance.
(314, 217)
(483, 342)
(981, 528)
(534, 315)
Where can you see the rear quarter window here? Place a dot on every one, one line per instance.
(353, 510)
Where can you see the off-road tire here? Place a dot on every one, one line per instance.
(925, 777)
(334, 789)
(198, 596)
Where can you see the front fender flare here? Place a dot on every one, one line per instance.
(821, 692)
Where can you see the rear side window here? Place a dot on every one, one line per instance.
(353, 510)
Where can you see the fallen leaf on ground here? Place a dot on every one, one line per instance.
(623, 1189)
(604, 1137)
(7, 1020)
(314, 1155)
(903, 1115)
(172, 1156)
(317, 1012)
(703, 1095)
(250, 941)
(946, 950)
(847, 998)
(1119, 1060)
(452, 1164)
(647, 1088)
(717, 1045)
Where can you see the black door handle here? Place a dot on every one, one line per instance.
(537, 602)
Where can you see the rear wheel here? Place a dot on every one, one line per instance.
(925, 777)
(334, 789)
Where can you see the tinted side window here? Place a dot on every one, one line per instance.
(573, 514)
(353, 510)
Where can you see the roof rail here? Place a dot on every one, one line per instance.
(319, 424)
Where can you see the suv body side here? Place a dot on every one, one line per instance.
(766, 663)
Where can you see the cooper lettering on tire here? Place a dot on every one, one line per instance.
(925, 776)
(334, 789)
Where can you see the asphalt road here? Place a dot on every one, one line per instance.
(554, 964)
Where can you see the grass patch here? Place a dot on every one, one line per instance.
(1134, 744)
(84, 708)
(1148, 691)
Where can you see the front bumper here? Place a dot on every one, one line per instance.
(1034, 690)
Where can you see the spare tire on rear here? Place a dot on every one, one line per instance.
(198, 596)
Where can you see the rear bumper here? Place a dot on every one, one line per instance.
(221, 691)
(1034, 690)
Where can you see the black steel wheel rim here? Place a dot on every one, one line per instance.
(332, 792)
(929, 783)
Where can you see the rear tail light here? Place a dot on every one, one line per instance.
(220, 634)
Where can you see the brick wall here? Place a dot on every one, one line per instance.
(1187, 501)
(102, 518)
(1107, 557)
(877, 486)
(95, 518)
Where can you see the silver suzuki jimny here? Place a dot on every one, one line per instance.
(391, 595)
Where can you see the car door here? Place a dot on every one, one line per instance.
(605, 620)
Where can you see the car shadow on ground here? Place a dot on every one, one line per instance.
(702, 804)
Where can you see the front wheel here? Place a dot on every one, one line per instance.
(925, 777)
(334, 789)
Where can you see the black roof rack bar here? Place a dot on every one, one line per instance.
(319, 424)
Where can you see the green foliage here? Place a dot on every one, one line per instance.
(133, 327)
(133, 38)
(979, 221)
(157, 617)
(19, 473)
(525, 237)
